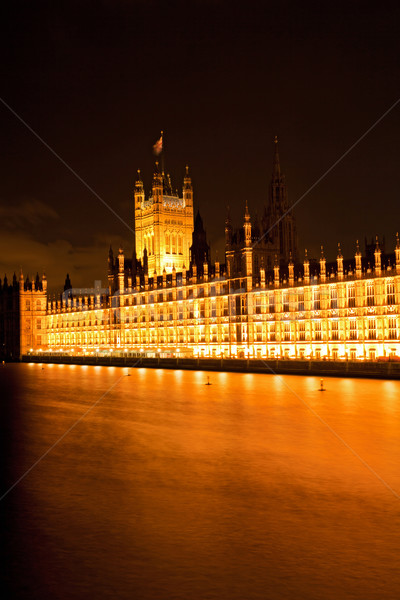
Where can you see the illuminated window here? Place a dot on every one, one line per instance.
(167, 243)
(333, 297)
(302, 331)
(351, 296)
(258, 304)
(285, 301)
(28, 305)
(180, 244)
(286, 332)
(353, 329)
(370, 293)
(173, 243)
(300, 300)
(271, 303)
(392, 328)
(390, 295)
(317, 330)
(316, 299)
(371, 329)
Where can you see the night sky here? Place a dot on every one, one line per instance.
(98, 81)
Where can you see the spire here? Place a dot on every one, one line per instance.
(67, 284)
(246, 213)
(276, 165)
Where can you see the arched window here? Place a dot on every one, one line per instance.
(167, 243)
(180, 244)
(152, 243)
(173, 250)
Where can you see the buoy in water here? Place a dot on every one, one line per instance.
(322, 389)
(208, 381)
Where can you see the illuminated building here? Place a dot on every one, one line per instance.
(169, 300)
(163, 223)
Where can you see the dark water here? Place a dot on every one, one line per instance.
(170, 489)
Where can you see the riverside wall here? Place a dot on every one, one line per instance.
(366, 369)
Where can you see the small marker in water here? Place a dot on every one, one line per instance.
(322, 389)
(208, 381)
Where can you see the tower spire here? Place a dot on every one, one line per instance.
(276, 165)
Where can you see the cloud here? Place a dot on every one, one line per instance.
(85, 264)
(27, 212)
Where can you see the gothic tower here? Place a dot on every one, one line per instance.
(163, 223)
(280, 220)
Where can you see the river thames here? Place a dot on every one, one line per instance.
(159, 487)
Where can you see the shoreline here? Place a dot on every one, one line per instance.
(370, 370)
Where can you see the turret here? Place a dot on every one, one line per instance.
(121, 274)
(339, 259)
(358, 260)
(228, 230)
(110, 260)
(139, 192)
(187, 189)
(397, 253)
(322, 266)
(306, 265)
(157, 187)
(276, 272)
(377, 255)
(291, 270)
(247, 227)
(67, 284)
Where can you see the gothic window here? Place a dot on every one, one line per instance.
(180, 244)
(370, 294)
(371, 329)
(173, 243)
(318, 333)
(353, 329)
(316, 299)
(390, 292)
(392, 328)
(300, 300)
(302, 331)
(152, 243)
(335, 330)
(351, 296)
(285, 301)
(286, 332)
(167, 243)
(333, 297)
(28, 305)
(271, 300)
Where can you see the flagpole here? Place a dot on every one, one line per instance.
(162, 152)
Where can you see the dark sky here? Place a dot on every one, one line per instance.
(99, 80)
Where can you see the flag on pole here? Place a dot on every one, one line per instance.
(158, 146)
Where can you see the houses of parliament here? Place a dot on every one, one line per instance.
(166, 297)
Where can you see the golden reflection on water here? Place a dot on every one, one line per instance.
(170, 488)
